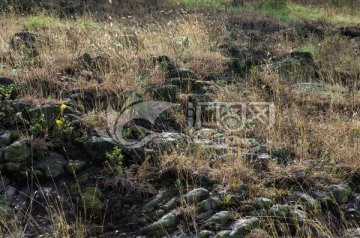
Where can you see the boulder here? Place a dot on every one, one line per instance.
(262, 203)
(220, 218)
(341, 192)
(75, 165)
(17, 152)
(97, 147)
(243, 226)
(279, 211)
(160, 227)
(52, 165)
(25, 43)
(196, 195)
(182, 73)
(309, 201)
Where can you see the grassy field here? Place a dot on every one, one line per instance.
(319, 128)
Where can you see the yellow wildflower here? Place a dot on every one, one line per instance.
(59, 122)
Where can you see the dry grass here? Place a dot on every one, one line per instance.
(317, 126)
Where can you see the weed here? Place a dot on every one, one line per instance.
(116, 161)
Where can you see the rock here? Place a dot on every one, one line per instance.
(196, 195)
(296, 216)
(185, 85)
(75, 165)
(294, 68)
(325, 198)
(351, 32)
(84, 61)
(166, 93)
(341, 193)
(159, 228)
(7, 89)
(52, 165)
(302, 55)
(243, 59)
(259, 161)
(101, 63)
(171, 204)
(280, 211)
(281, 155)
(159, 213)
(97, 147)
(262, 203)
(12, 167)
(5, 139)
(182, 73)
(10, 192)
(243, 226)
(25, 43)
(17, 151)
(220, 218)
(309, 201)
(49, 113)
(205, 234)
(223, 234)
(156, 201)
(258, 233)
(209, 204)
(167, 142)
(165, 63)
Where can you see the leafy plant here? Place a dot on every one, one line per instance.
(115, 160)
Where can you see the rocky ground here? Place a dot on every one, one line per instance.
(62, 176)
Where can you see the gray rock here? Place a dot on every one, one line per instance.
(97, 147)
(182, 73)
(297, 216)
(50, 113)
(155, 202)
(5, 139)
(259, 213)
(165, 223)
(209, 204)
(205, 234)
(220, 218)
(196, 195)
(17, 152)
(171, 204)
(25, 43)
(52, 165)
(280, 211)
(243, 226)
(75, 165)
(159, 213)
(167, 142)
(223, 234)
(262, 203)
(309, 201)
(12, 167)
(341, 192)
